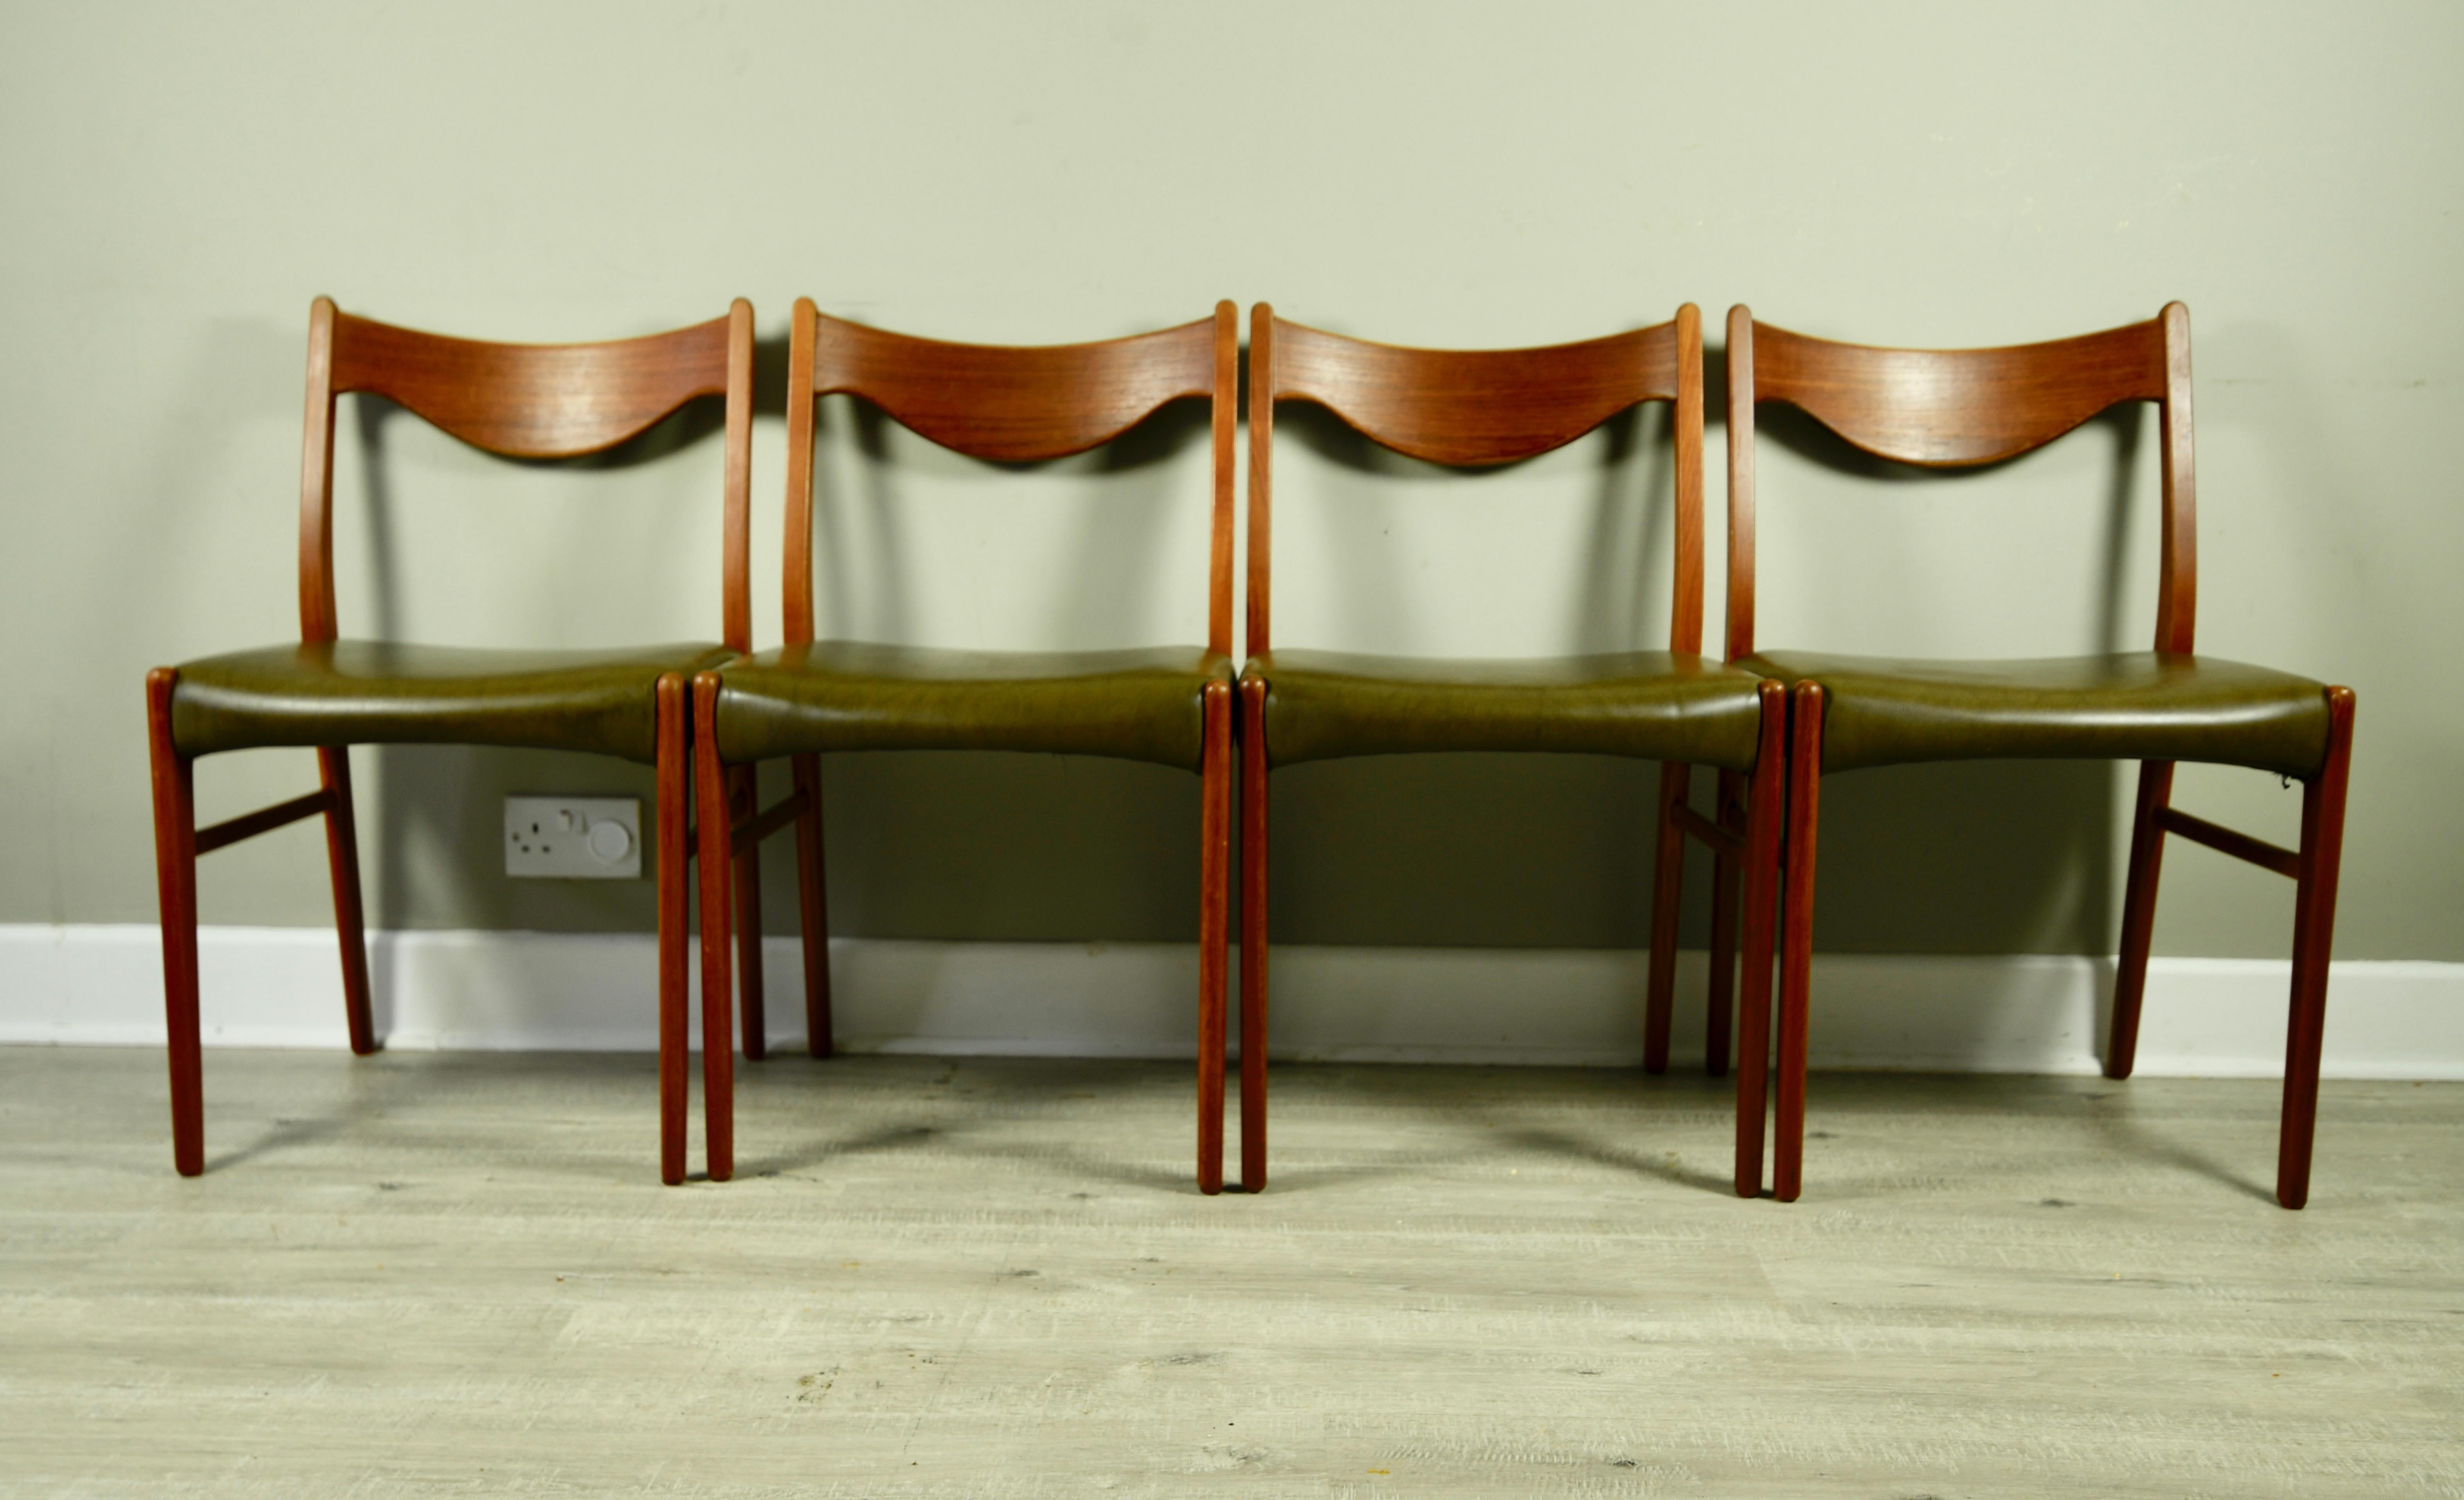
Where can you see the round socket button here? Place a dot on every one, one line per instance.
(610, 841)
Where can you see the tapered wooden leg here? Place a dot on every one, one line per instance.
(813, 906)
(718, 1034)
(1213, 929)
(1253, 934)
(1797, 949)
(675, 779)
(175, 872)
(744, 803)
(2138, 916)
(2314, 932)
(1766, 812)
(350, 925)
(1667, 888)
(1720, 1003)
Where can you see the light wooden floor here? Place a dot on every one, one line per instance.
(422, 1275)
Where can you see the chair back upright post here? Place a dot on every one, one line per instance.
(1008, 403)
(1477, 408)
(1959, 409)
(525, 401)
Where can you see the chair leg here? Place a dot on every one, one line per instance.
(2314, 932)
(744, 803)
(813, 906)
(718, 1034)
(1253, 936)
(1213, 936)
(1667, 889)
(2138, 916)
(1720, 1002)
(1766, 812)
(675, 776)
(175, 872)
(350, 923)
(1797, 951)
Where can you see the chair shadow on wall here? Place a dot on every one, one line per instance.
(1533, 850)
(1537, 851)
(1981, 858)
(986, 844)
(1986, 857)
(437, 813)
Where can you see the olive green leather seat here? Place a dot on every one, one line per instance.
(1653, 705)
(2125, 706)
(337, 692)
(1145, 704)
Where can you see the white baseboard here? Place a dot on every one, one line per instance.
(514, 991)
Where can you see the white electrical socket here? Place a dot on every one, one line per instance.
(574, 838)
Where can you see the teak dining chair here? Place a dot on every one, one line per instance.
(524, 401)
(1480, 408)
(1960, 408)
(1170, 705)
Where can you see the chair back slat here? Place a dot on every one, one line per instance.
(1010, 404)
(532, 401)
(1954, 408)
(1473, 407)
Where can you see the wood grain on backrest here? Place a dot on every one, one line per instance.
(1951, 408)
(524, 401)
(1474, 408)
(532, 400)
(1008, 404)
(1011, 403)
(1962, 407)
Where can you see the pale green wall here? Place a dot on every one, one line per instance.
(176, 181)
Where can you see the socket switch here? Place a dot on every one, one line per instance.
(574, 838)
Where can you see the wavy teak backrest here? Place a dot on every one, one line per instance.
(1961, 407)
(1010, 405)
(524, 401)
(1472, 408)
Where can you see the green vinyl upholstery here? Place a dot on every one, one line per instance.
(1144, 704)
(337, 692)
(1653, 705)
(2122, 706)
